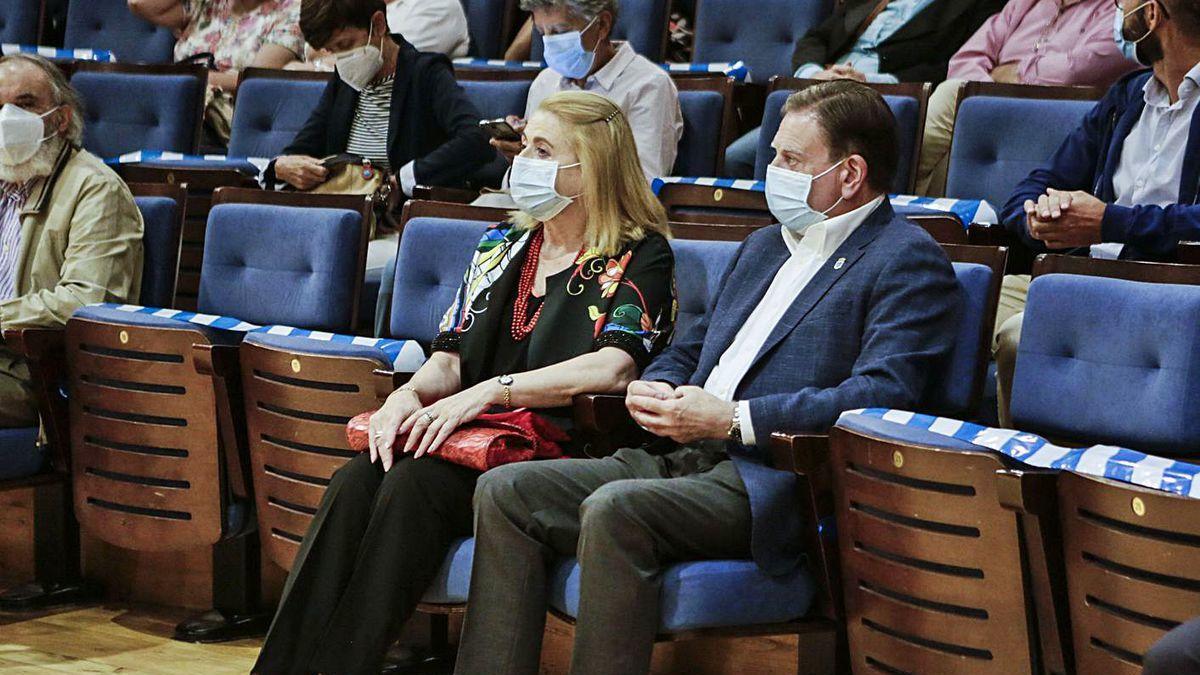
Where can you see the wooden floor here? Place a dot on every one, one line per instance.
(112, 639)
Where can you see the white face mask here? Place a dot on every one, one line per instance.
(358, 66)
(532, 186)
(21, 134)
(787, 198)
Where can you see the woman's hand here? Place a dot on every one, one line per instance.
(300, 171)
(385, 424)
(429, 427)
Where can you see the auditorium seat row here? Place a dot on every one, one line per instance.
(156, 404)
(724, 32)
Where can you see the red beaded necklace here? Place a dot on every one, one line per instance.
(522, 323)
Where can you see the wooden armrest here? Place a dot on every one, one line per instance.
(387, 381)
(1188, 253)
(36, 344)
(1030, 492)
(444, 194)
(800, 453)
(601, 413)
(45, 350)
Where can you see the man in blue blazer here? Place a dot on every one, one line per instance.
(845, 305)
(1126, 182)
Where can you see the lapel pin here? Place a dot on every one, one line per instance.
(840, 262)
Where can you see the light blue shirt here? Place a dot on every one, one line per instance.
(863, 55)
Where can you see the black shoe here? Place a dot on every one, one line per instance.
(38, 595)
(217, 626)
(408, 661)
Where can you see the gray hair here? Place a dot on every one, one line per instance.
(584, 9)
(60, 88)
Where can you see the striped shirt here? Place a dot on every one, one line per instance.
(369, 131)
(12, 200)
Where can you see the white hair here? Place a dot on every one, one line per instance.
(584, 9)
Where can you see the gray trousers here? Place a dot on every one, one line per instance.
(1177, 653)
(626, 517)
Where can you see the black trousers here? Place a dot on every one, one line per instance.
(375, 545)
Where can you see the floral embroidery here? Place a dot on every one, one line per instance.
(502, 243)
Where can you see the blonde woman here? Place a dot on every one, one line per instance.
(574, 294)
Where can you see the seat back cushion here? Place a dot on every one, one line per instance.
(269, 113)
(108, 24)
(699, 266)
(703, 114)
(763, 37)
(434, 255)
(160, 249)
(125, 112)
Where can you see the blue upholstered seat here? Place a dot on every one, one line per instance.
(699, 266)
(995, 145)
(641, 23)
(1110, 361)
(952, 392)
(306, 345)
(20, 456)
(708, 594)
(19, 22)
(118, 316)
(703, 115)
(909, 127)
(763, 34)
(249, 272)
(269, 113)
(124, 112)
(453, 580)
(434, 254)
(485, 24)
(160, 250)
(108, 24)
(1099, 362)
(496, 99)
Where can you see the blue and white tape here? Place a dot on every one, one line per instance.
(967, 210)
(405, 355)
(146, 156)
(1103, 461)
(737, 69)
(54, 53)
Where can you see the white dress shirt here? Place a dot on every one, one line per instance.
(431, 25)
(1152, 156)
(809, 253)
(864, 55)
(643, 91)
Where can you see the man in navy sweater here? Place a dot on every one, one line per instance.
(1126, 182)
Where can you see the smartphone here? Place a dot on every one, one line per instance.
(500, 130)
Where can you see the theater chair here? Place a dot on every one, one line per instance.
(140, 107)
(994, 147)
(157, 424)
(270, 108)
(641, 23)
(1132, 560)
(109, 25)
(708, 124)
(764, 37)
(44, 464)
(939, 572)
(697, 599)
(490, 24)
(21, 22)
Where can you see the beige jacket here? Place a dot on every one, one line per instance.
(81, 243)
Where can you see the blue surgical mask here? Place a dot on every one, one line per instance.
(1128, 47)
(564, 53)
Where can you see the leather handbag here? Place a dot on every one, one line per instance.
(354, 175)
(488, 441)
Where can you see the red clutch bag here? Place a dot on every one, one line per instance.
(488, 441)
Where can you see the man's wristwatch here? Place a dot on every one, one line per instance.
(735, 425)
(506, 381)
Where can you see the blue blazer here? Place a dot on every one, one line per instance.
(868, 332)
(1088, 159)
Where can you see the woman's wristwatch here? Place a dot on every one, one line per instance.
(735, 425)
(506, 381)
